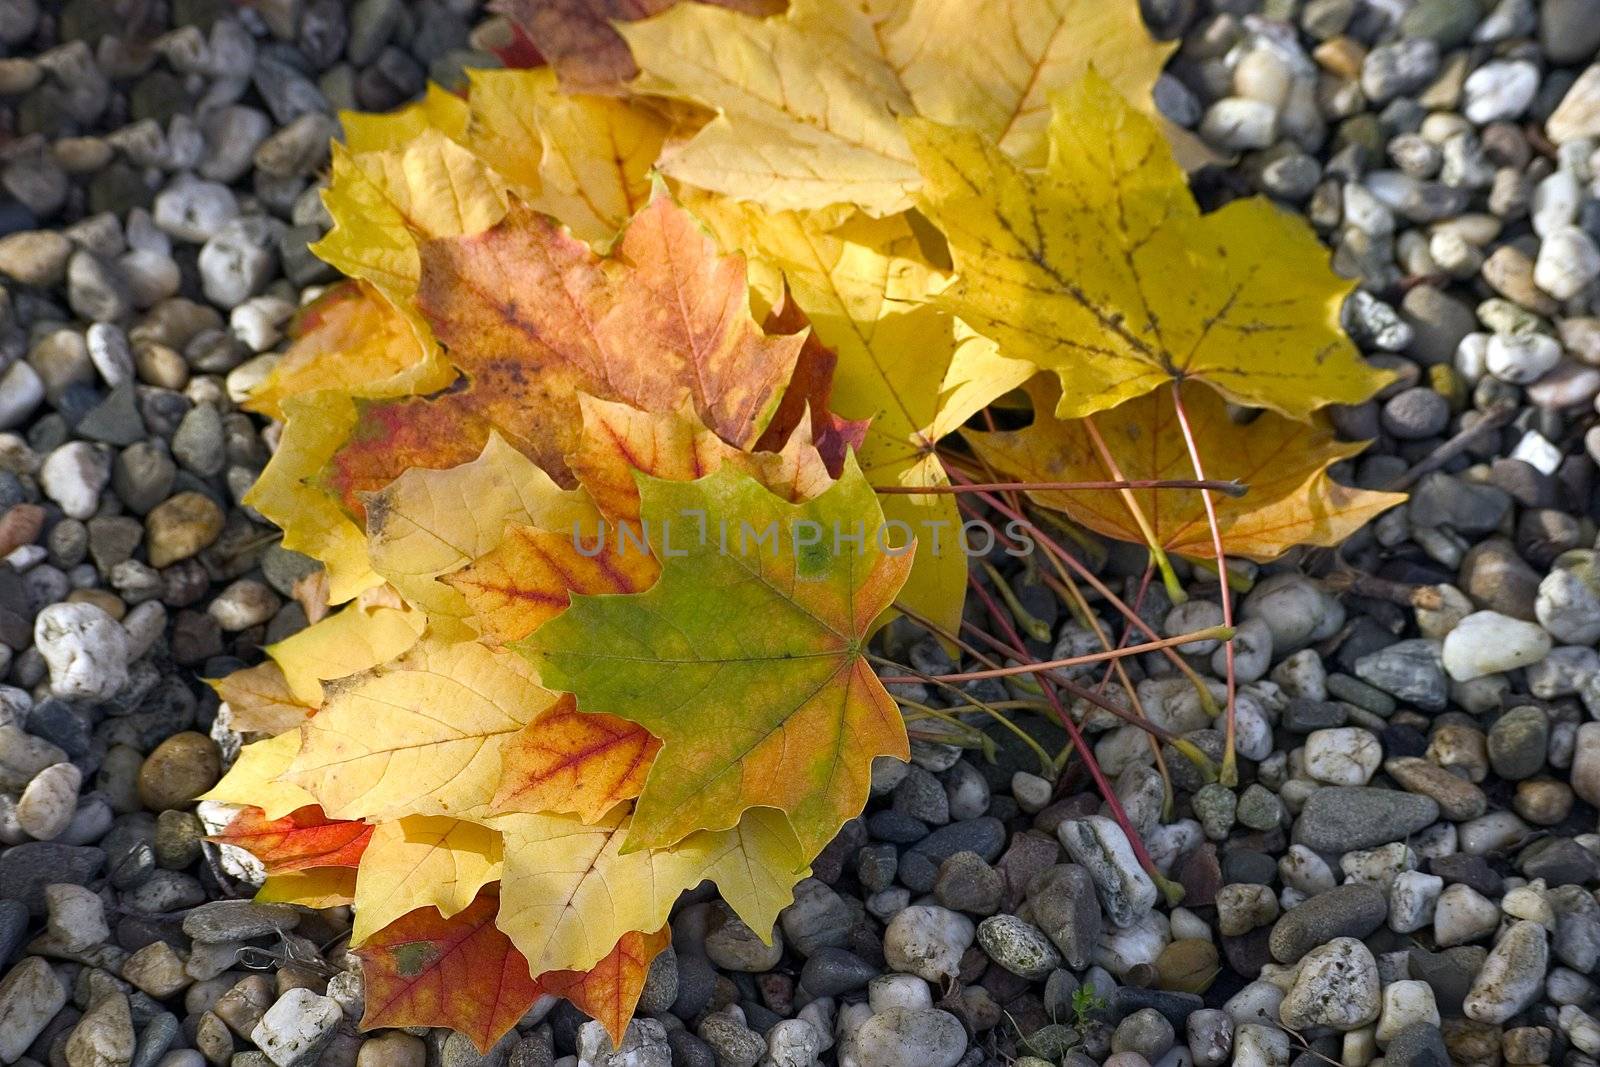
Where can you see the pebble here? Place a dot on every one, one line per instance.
(928, 942)
(1568, 601)
(1099, 846)
(1336, 985)
(47, 805)
(1339, 818)
(1487, 642)
(1463, 915)
(1352, 910)
(1346, 755)
(903, 1037)
(1018, 946)
(1512, 975)
(85, 649)
(181, 768)
(104, 1037)
(238, 920)
(298, 1026)
(30, 996)
(181, 527)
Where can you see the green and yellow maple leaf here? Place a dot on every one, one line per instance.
(746, 658)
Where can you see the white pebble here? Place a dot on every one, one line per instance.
(1487, 642)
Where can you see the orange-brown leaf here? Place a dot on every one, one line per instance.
(1291, 499)
(533, 318)
(808, 396)
(460, 972)
(260, 701)
(567, 761)
(609, 991)
(300, 840)
(577, 38)
(531, 576)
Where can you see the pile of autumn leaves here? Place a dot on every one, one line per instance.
(738, 292)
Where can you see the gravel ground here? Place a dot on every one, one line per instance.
(1407, 871)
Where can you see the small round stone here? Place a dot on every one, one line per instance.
(181, 768)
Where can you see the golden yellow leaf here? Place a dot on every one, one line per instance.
(420, 735)
(259, 700)
(419, 861)
(351, 339)
(439, 109)
(1103, 270)
(255, 778)
(357, 638)
(584, 159)
(808, 103)
(428, 523)
(1284, 463)
(287, 492)
(569, 893)
(320, 887)
(868, 295)
(384, 202)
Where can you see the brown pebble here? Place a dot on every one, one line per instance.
(180, 527)
(180, 769)
(20, 526)
(1543, 801)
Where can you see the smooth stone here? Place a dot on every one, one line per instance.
(1511, 977)
(1487, 642)
(1352, 910)
(1340, 818)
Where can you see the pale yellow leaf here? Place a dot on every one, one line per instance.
(421, 861)
(421, 735)
(254, 778)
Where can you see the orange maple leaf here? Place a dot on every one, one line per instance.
(303, 839)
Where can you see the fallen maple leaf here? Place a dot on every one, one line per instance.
(866, 292)
(1291, 499)
(259, 700)
(302, 839)
(585, 160)
(439, 109)
(570, 762)
(809, 104)
(255, 779)
(427, 524)
(380, 749)
(1103, 270)
(319, 887)
(578, 39)
(359, 637)
(351, 339)
(534, 318)
(609, 991)
(744, 659)
(570, 890)
(427, 970)
(422, 861)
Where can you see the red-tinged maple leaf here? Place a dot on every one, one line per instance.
(303, 839)
(571, 762)
(533, 318)
(809, 394)
(460, 972)
(609, 991)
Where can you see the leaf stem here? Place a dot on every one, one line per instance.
(1210, 633)
(1231, 488)
(1169, 577)
(1230, 764)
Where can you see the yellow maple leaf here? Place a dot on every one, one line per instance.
(868, 295)
(420, 735)
(808, 103)
(362, 636)
(421, 861)
(439, 109)
(351, 339)
(383, 202)
(569, 892)
(287, 493)
(255, 779)
(259, 700)
(1103, 270)
(319, 887)
(584, 159)
(1291, 499)
(428, 523)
